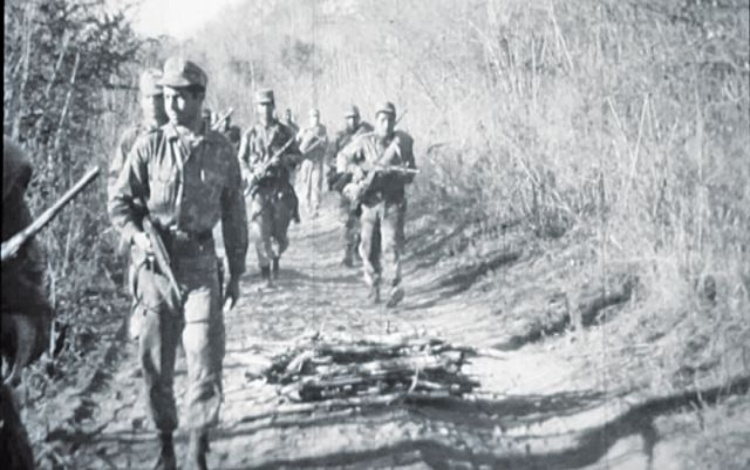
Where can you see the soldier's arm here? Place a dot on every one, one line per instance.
(292, 156)
(407, 157)
(243, 156)
(234, 219)
(252, 160)
(118, 159)
(130, 192)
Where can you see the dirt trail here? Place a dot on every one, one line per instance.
(533, 409)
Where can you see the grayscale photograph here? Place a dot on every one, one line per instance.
(359, 234)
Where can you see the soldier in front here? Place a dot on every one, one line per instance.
(268, 155)
(182, 179)
(382, 165)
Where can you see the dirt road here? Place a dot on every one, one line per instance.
(534, 409)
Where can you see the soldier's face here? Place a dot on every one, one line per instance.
(153, 108)
(265, 111)
(352, 122)
(182, 106)
(384, 124)
(314, 120)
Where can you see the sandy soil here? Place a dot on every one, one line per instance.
(534, 409)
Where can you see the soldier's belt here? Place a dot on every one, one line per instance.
(180, 242)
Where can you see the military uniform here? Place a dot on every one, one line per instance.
(273, 200)
(147, 86)
(312, 142)
(186, 183)
(383, 205)
(338, 176)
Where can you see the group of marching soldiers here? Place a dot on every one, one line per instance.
(175, 175)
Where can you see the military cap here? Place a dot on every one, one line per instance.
(148, 84)
(314, 112)
(179, 72)
(351, 111)
(387, 108)
(264, 96)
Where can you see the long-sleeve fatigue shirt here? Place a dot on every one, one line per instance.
(187, 183)
(259, 144)
(368, 150)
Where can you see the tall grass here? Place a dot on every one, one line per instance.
(626, 121)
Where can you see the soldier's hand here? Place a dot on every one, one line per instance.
(358, 174)
(142, 241)
(232, 292)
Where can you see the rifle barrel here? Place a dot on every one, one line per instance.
(12, 245)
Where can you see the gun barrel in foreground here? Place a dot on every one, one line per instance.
(396, 169)
(11, 246)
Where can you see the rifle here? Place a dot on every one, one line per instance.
(11, 246)
(161, 256)
(274, 160)
(216, 126)
(316, 141)
(359, 189)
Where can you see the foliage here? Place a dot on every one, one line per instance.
(624, 120)
(64, 64)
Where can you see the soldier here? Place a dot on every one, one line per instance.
(182, 179)
(312, 142)
(153, 116)
(338, 178)
(207, 117)
(232, 133)
(289, 121)
(26, 315)
(268, 154)
(377, 161)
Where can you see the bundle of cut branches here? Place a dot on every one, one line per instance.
(323, 367)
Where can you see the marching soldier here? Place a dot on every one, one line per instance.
(268, 155)
(312, 142)
(289, 121)
(382, 164)
(153, 116)
(208, 117)
(232, 133)
(177, 183)
(338, 178)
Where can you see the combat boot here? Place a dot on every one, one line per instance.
(275, 268)
(395, 296)
(265, 274)
(167, 459)
(374, 295)
(196, 459)
(348, 261)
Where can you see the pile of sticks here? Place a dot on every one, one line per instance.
(342, 366)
